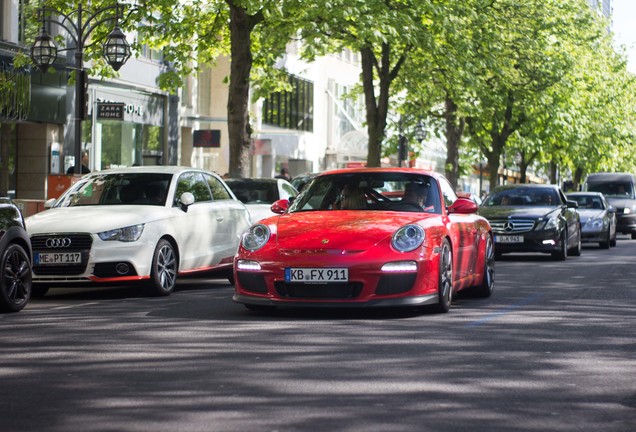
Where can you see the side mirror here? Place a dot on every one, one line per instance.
(571, 204)
(611, 209)
(49, 203)
(463, 206)
(186, 200)
(280, 206)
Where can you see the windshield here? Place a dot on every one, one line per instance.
(114, 189)
(255, 192)
(523, 196)
(613, 189)
(370, 191)
(588, 201)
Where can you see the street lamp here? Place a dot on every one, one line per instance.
(115, 49)
(419, 133)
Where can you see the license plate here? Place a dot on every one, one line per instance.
(508, 239)
(316, 275)
(59, 258)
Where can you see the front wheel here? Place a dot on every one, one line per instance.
(15, 283)
(487, 285)
(562, 253)
(576, 250)
(445, 279)
(163, 273)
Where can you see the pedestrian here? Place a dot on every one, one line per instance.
(84, 168)
(284, 174)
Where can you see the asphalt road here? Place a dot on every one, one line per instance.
(552, 350)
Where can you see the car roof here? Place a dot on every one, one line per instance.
(584, 194)
(168, 169)
(595, 177)
(526, 185)
(380, 170)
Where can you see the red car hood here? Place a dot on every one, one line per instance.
(341, 230)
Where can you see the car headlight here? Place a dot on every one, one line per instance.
(627, 210)
(595, 223)
(408, 238)
(127, 234)
(550, 223)
(256, 237)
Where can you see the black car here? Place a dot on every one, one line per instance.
(533, 218)
(15, 259)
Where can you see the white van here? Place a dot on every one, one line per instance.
(620, 190)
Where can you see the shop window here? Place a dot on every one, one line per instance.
(291, 109)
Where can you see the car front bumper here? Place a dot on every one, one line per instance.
(545, 241)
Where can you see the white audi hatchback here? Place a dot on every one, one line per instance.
(140, 224)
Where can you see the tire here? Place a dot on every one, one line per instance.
(487, 285)
(576, 250)
(562, 254)
(608, 241)
(445, 279)
(15, 281)
(634, 236)
(613, 241)
(163, 273)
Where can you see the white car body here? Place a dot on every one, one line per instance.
(204, 235)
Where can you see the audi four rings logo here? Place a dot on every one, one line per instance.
(509, 226)
(58, 242)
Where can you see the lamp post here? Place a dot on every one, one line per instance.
(419, 133)
(116, 51)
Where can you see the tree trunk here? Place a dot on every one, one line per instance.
(454, 132)
(238, 124)
(377, 107)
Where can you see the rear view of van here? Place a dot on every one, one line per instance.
(620, 190)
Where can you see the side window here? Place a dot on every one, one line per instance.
(194, 183)
(219, 192)
(448, 193)
(287, 192)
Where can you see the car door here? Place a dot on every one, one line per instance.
(237, 220)
(201, 230)
(464, 232)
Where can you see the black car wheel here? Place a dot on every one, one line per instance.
(576, 250)
(15, 282)
(163, 274)
(445, 279)
(608, 241)
(562, 253)
(613, 240)
(487, 285)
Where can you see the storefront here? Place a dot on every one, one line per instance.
(127, 128)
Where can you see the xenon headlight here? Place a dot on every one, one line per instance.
(127, 234)
(256, 237)
(408, 238)
(550, 223)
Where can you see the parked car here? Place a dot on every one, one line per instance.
(352, 239)
(15, 259)
(301, 180)
(141, 224)
(620, 190)
(533, 218)
(598, 218)
(258, 194)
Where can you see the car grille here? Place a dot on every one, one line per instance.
(78, 243)
(509, 226)
(395, 284)
(319, 291)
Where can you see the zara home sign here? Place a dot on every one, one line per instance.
(110, 110)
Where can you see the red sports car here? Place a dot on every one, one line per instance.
(364, 238)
